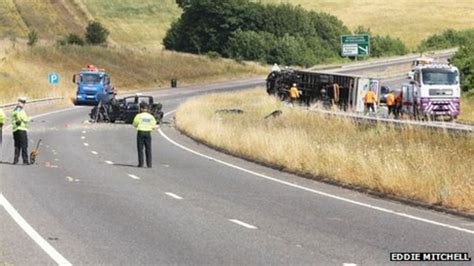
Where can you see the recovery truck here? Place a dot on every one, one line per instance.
(92, 85)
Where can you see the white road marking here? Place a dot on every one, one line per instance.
(83, 137)
(246, 225)
(86, 144)
(349, 264)
(84, 132)
(31, 232)
(94, 152)
(366, 205)
(109, 162)
(134, 177)
(70, 179)
(173, 195)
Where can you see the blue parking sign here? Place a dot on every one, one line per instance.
(53, 78)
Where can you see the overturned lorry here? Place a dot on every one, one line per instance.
(345, 91)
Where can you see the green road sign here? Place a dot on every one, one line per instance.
(355, 45)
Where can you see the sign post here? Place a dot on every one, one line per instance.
(53, 79)
(355, 45)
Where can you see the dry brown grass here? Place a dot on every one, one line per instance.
(25, 71)
(467, 108)
(430, 167)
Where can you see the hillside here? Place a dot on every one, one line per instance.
(143, 23)
(133, 59)
(138, 26)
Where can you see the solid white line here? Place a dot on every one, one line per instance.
(86, 144)
(412, 217)
(134, 176)
(109, 162)
(246, 225)
(50, 250)
(94, 152)
(173, 195)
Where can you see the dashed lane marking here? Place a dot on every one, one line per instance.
(94, 152)
(173, 195)
(109, 162)
(40, 241)
(246, 225)
(86, 144)
(276, 180)
(84, 132)
(72, 179)
(83, 137)
(134, 177)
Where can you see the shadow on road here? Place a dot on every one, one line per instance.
(124, 165)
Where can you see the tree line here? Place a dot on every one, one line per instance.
(283, 34)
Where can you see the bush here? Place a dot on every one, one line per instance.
(464, 60)
(32, 38)
(96, 33)
(448, 39)
(74, 39)
(213, 55)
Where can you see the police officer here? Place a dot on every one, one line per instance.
(19, 127)
(145, 123)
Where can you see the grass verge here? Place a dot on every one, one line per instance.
(25, 72)
(428, 167)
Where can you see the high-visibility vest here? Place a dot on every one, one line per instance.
(370, 97)
(390, 99)
(294, 93)
(2, 117)
(19, 115)
(144, 122)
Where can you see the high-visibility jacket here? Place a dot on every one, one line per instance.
(294, 93)
(2, 117)
(370, 97)
(144, 122)
(19, 120)
(390, 99)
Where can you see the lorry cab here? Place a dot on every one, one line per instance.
(92, 86)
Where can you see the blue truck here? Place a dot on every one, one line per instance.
(93, 85)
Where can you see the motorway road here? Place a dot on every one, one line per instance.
(90, 205)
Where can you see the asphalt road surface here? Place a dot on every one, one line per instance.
(85, 202)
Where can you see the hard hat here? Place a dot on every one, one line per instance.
(22, 99)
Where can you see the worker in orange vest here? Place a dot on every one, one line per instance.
(370, 99)
(294, 94)
(391, 103)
